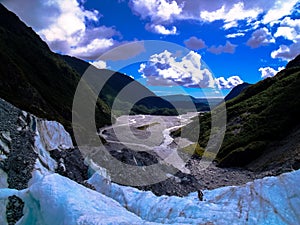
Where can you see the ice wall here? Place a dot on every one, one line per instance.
(272, 200)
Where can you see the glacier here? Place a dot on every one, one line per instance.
(54, 199)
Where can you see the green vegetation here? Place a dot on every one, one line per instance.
(262, 113)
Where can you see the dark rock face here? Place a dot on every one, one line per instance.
(177, 182)
(134, 158)
(21, 158)
(181, 184)
(70, 164)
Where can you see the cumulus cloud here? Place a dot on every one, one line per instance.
(228, 83)
(100, 64)
(231, 15)
(167, 69)
(160, 13)
(194, 43)
(160, 29)
(287, 53)
(269, 72)
(260, 37)
(157, 10)
(63, 25)
(279, 10)
(289, 29)
(92, 50)
(227, 48)
(165, 12)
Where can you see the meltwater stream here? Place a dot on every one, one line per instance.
(150, 133)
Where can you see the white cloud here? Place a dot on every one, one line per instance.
(99, 64)
(92, 50)
(260, 37)
(280, 9)
(160, 12)
(194, 43)
(167, 69)
(63, 25)
(287, 21)
(269, 72)
(228, 83)
(227, 48)
(165, 12)
(286, 32)
(235, 35)
(287, 52)
(289, 29)
(157, 10)
(160, 29)
(231, 15)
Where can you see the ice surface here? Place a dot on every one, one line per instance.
(50, 135)
(272, 200)
(53, 199)
(59, 200)
(54, 135)
(43, 153)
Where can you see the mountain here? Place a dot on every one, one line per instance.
(142, 99)
(44, 83)
(236, 91)
(36, 79)
(187, 103)
(262, 121)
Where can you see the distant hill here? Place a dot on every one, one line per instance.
(187, 103)
(236, 91)
(263, 114)
(184, 102)
(110, 93)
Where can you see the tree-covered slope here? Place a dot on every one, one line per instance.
(35, 79)
(262, 114)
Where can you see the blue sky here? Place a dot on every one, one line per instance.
(239, 40)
